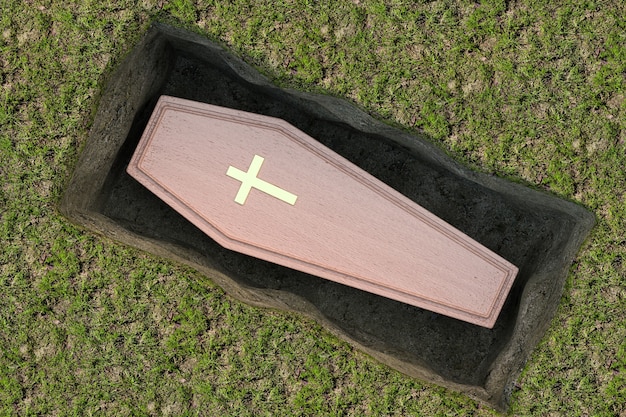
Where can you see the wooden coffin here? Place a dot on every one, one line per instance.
(259, 186)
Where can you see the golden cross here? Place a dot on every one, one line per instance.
(249, 180)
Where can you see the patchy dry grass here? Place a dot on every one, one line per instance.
(531, 92)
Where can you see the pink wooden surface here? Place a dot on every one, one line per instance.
(301, 205)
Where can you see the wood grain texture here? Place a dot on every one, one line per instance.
(344, 225)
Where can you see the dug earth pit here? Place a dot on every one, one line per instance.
(537, 232)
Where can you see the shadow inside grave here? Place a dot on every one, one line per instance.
(527, 231)
(453, 348)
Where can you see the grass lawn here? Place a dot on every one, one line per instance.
(530, 92)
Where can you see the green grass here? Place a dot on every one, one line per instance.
(530, 92)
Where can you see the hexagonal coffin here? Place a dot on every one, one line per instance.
(261, 187)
